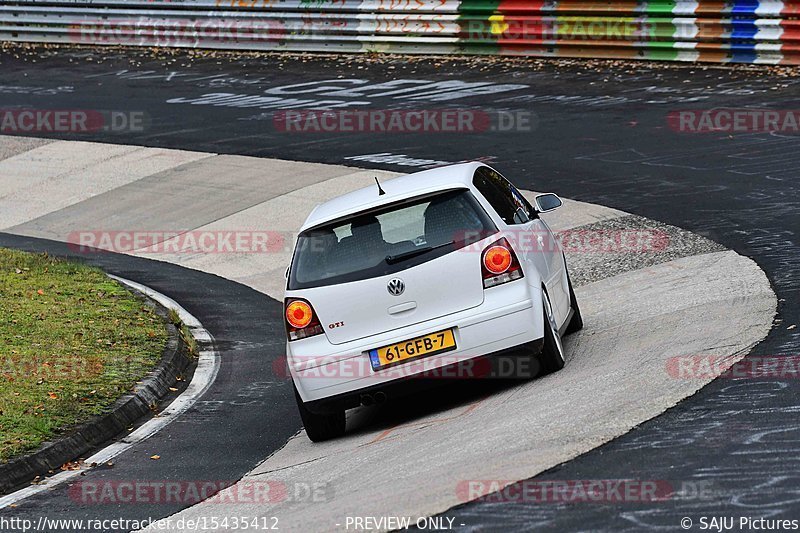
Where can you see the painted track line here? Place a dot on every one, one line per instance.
(204, 375)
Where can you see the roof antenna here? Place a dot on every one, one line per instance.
(381, 192)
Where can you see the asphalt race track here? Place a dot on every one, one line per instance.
(598, 135)
(68, 190)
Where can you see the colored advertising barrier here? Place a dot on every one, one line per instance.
(739, 31)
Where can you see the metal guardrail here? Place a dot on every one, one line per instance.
(740, 31)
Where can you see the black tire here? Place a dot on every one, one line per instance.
(576, 323)
(321, 427)
(551, 358)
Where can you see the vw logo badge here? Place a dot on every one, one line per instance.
(396, 287)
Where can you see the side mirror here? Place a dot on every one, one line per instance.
(547, 202)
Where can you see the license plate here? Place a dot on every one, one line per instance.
(395, 354)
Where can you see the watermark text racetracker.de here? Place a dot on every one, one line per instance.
(403, 121)
(177, 242)
(33, 120)
(444, 367)
(709, 366)
(190, 492)
(14, 365)
(578, 240)
(587, 491)
(731, 121)
(174, 32)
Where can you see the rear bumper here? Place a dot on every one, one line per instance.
(481, 335)
(506, 363)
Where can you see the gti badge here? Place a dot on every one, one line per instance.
(396, 287)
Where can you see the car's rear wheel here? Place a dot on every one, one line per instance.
(552, 356)
(576, 323)
(321, 426)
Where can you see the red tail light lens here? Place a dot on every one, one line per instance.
(497, 259)
(299, 314)
(301, 321)
(499, 264)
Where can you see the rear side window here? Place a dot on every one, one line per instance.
(509, 203)
(388, 240)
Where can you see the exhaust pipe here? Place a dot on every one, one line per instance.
(373, 399)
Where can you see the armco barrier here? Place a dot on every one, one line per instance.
(740, 31)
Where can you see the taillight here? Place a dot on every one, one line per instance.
(497, 259)
(499, 264)
(301, 321)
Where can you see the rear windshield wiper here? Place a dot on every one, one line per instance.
(392, 259)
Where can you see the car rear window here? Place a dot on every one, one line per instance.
(387, 240)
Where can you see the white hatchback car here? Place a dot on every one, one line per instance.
(425, 275)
